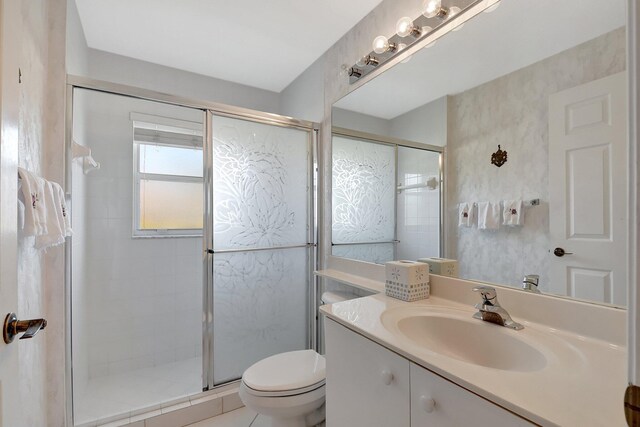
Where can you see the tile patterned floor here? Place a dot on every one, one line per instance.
(128, 393)
(242, 417)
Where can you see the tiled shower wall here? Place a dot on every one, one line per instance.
(143, 297)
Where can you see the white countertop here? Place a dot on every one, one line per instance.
(582, 383)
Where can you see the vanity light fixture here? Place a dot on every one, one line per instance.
(492, 8)
(401, 47)
(381, 45)
(368, 60)
(423, 30)
(405, 27)
(434, 9)
(453, 11)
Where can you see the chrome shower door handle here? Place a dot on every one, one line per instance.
(28, 328)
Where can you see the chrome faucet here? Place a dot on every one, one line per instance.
(530, 283)
(491, 311)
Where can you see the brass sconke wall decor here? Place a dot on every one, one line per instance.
(499, 158)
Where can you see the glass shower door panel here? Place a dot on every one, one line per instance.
(363, 199)
(260, 181)
(261, 231)
(419, 205)
(260, 308)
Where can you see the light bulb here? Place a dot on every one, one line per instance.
(492, 8)
(453, 11)
(404, 27)
(426, 30)
(381, 45)
(431, 8)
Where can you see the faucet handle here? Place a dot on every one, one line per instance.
(488, 293)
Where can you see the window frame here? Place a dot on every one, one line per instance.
(138, 176)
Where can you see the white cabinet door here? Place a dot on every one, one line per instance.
(367, 385)
(439, 403)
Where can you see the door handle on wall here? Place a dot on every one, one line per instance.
(13, 327)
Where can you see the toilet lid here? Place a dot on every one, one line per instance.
(286, 371)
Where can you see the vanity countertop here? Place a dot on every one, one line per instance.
(582, 384)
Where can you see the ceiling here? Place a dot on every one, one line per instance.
(264, 44)
(517, 34)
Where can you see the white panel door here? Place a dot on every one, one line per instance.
(588, 190)
(11, 403)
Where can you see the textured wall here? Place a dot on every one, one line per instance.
(512, 111)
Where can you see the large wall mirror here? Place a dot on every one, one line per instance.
(543, 80)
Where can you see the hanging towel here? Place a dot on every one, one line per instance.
(512, 213)
(35, 213)
(488, 216)
(61, 206)
(55, 221)
(465, 214)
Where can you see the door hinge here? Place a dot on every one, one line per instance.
(19, 75)
(632, 405)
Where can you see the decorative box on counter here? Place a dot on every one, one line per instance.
(441, 266)
(407, 280)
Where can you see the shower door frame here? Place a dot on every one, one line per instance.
(208, 109)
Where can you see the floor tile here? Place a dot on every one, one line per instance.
(242, 417)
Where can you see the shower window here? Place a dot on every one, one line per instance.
(168, 180)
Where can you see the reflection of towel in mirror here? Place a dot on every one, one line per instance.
(465, 214)
(55, 221)
(512, 213)
(488, 216)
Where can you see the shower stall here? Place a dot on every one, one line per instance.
(193, 248)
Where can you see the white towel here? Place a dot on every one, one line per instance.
(35, 212)
(465, 214)
(61, 206)
(488, 216)
(512, 213)
(55, 221)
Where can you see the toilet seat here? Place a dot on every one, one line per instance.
(286, 374)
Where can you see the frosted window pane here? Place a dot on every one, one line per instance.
(165, 160)
(170, 205)
(377, 254)
(260, 308)
(260, 184)
(363, 191)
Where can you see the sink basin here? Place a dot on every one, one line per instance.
(454, 333)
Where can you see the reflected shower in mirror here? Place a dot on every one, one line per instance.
(386, 198)
(544, 81)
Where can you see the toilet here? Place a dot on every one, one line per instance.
(287, 387)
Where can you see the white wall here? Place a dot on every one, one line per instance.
(426, 124)
(360, 122)
(77, 57)
(303, 98)
(133, 72)
(487, 115)
(143, 297)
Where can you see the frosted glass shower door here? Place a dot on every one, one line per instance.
(363, 199)
(262, 242)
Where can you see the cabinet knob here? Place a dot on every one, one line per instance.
(387, 377)
(428, 404)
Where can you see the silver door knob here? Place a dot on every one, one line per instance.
(559, 252)
(13, 327)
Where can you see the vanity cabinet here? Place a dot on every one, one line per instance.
(370, 386)
(367, 385)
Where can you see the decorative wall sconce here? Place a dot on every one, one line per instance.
(433, 23)
(499, 158)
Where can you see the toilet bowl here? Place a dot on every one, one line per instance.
(289, 388)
